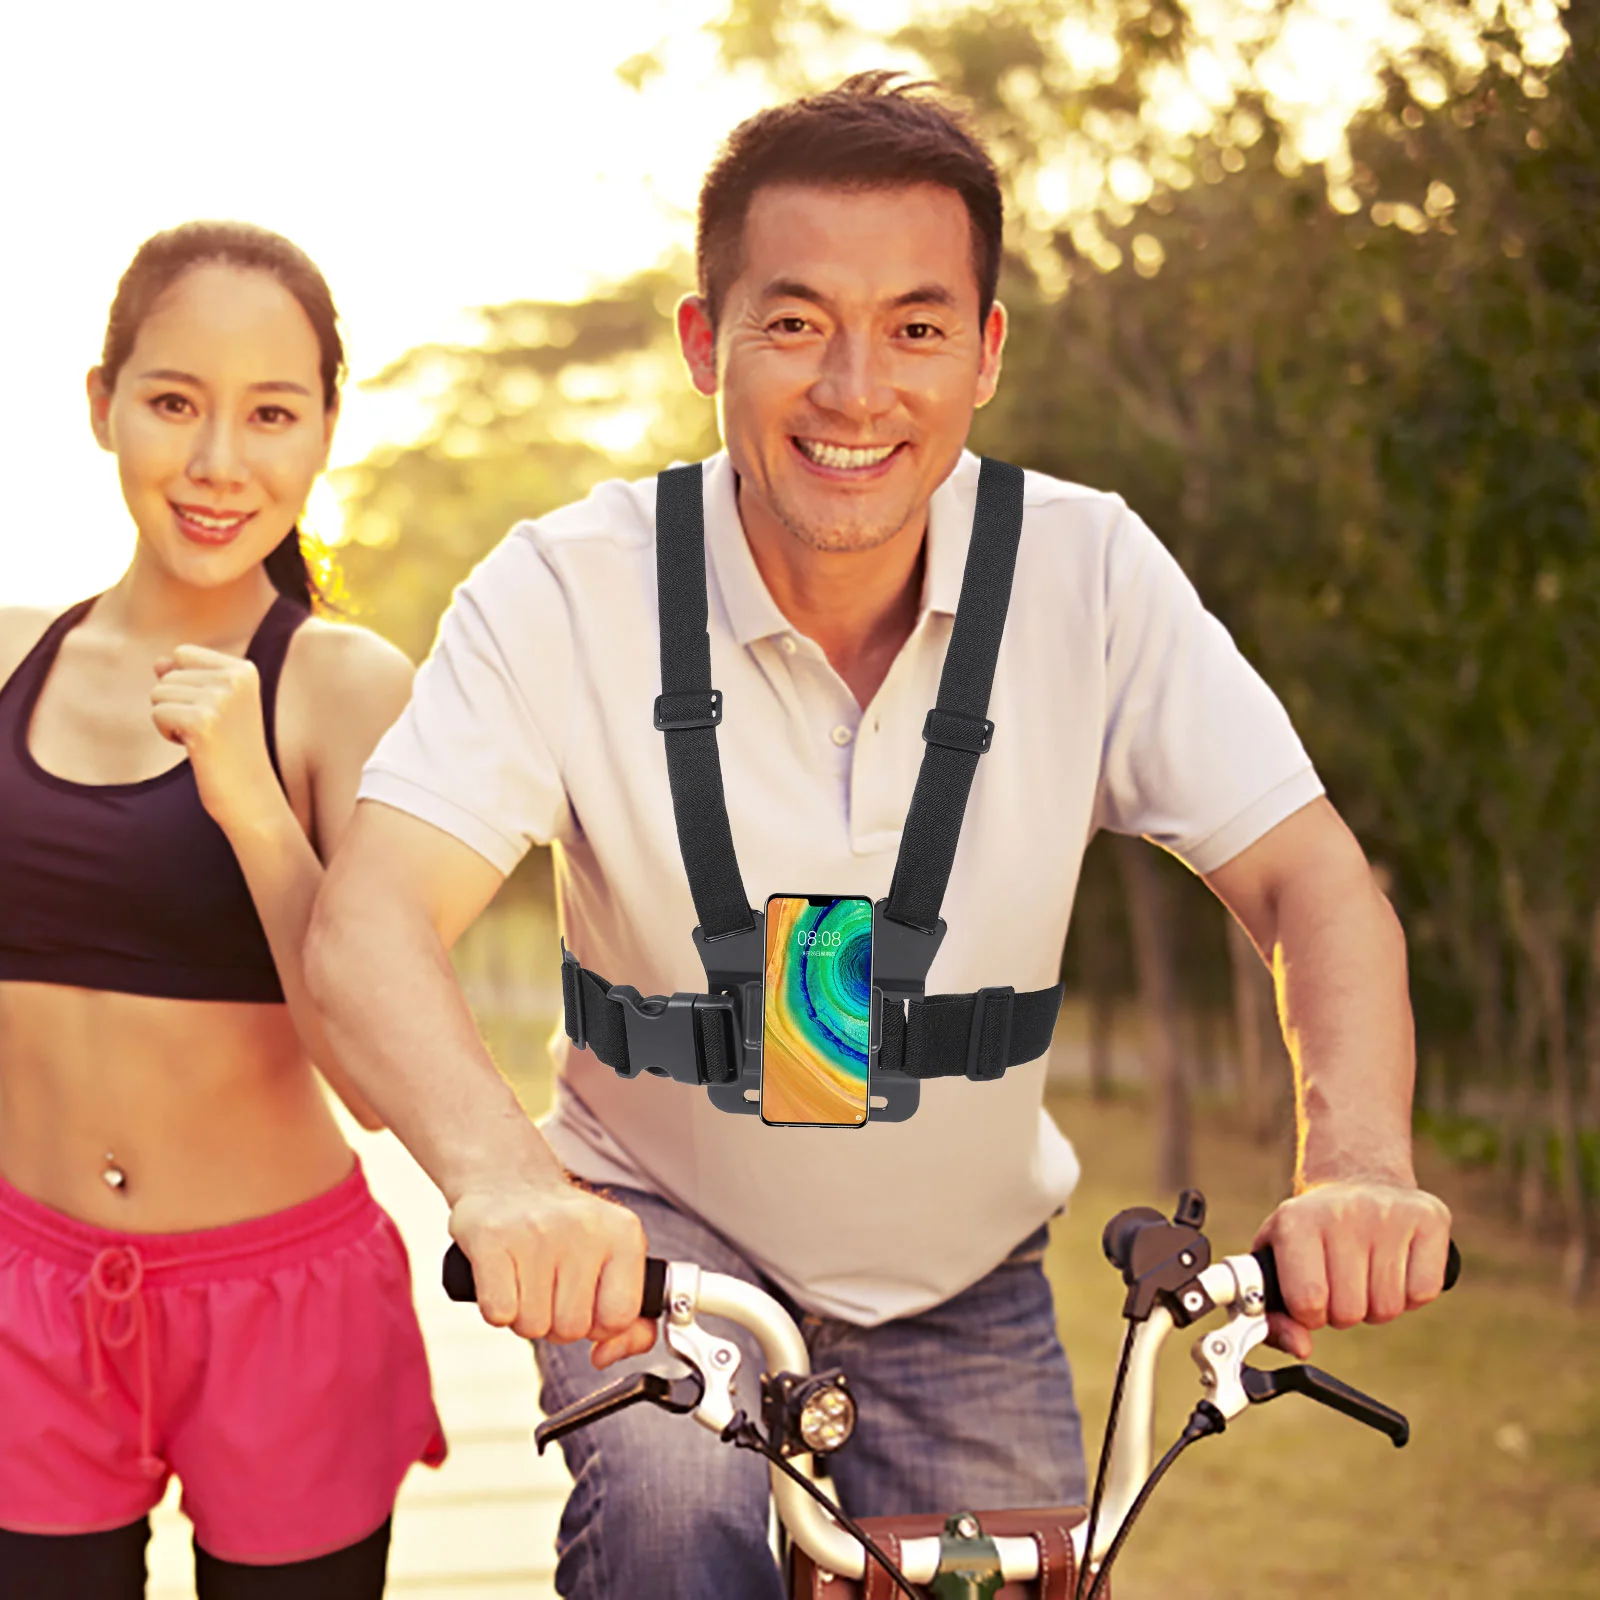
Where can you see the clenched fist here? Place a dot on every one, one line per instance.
(553, 1261)
(210, 703)
(1353, 1251)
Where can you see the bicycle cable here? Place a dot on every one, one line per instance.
(743, 1434)
(1105, 1457)
(1204, 1421)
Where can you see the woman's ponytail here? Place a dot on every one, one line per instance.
(291, 572)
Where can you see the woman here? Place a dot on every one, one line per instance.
(194, 1279)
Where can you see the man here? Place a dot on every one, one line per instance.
(846, 323)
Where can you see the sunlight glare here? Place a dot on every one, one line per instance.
(426, 167)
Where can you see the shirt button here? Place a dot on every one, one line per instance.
(842, 735)
(789, 646)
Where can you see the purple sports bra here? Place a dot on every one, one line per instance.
(127, 886)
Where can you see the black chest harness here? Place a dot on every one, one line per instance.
(714, 1040)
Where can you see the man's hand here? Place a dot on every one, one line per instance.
(552, 1261)
(1351, 1252)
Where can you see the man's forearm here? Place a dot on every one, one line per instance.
(1339, 962)
(395, 1015)
(1358, 1242)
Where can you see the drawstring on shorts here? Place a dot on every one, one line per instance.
(116, 1317)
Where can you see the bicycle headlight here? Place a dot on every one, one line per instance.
(815, 1413)
(827, 1417)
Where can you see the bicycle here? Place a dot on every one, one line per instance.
(1172, 1283)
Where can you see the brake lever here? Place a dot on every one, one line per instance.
(714, 1361)
(1262, 1385)
(678, 1395)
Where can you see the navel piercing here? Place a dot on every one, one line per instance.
(115, 1178)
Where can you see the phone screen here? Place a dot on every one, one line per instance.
(816, 1010)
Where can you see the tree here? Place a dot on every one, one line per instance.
(553, 400)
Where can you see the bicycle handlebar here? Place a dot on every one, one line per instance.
(460, 1284)
(1228, 1282)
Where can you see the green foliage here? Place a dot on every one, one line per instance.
(1475, 1141)
(1358, 402)
(1465, 1141)
(1370, 434)
(555, 399)
(785, 38)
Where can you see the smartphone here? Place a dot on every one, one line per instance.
(816, 1011)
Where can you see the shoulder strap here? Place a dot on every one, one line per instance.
(689, 709)
(957, 730)
(20, 692)
(267, 649)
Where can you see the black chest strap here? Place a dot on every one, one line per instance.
(957, 731)
(709, 1039)
(688, 709)
(695, 1039)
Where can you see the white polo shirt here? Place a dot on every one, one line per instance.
(1118, 702)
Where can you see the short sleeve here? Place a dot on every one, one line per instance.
(477, 752)
(1199, 754)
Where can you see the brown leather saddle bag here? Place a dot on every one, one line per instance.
(1050, 1529)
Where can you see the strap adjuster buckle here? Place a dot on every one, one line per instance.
(691, 708)
(955, 730)
(978, 1069)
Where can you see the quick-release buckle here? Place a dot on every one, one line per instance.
(692, 708)
(977, 1070)
(955, 730)
(663, 1032)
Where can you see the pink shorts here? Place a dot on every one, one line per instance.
(276, 1366)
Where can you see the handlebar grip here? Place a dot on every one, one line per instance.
(459, 1283)
(654, 1300)
(1121, 1231)
(1272, 1291)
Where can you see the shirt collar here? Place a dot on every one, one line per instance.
(950, 514)
(753, 613)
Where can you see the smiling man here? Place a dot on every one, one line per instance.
(846, 321)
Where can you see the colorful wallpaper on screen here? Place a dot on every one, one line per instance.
(817, 1003)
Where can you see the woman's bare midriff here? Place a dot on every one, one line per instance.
(209, 1109)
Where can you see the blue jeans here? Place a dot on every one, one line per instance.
(967, 1406)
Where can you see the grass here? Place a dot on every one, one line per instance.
(1498, 1493)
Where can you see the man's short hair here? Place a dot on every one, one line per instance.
(869, 133)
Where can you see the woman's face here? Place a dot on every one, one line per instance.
(217, 422)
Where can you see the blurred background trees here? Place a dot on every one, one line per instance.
(1358, 396)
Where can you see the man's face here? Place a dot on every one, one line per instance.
(849, 357)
